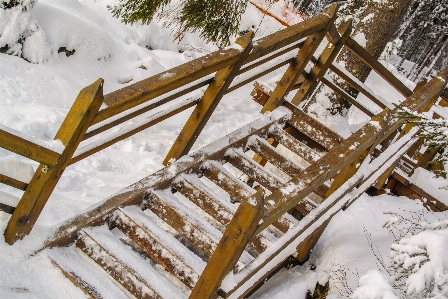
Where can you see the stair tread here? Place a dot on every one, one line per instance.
(103, 236)
(171, 243)
(195, 219)
(71, 262)
(213, 233)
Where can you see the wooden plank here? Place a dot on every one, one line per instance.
(346, 172)
(236, 188)
(314, 123)
(303, 250)
(293, 144)
(184, 225)
(313, 132)
(150, 121)
(101, 127)
(287, 36)
(324, 62)
(240, 160)
(230, 247)
(293, 72)
(6, 208)
(353, 81)
(204, 109)
(28, 149)
(377, 66)
(115, 268)
(203, 199)
(156, 248)
(327, 81)
(45, 179)
(4, 179)
(268, 152)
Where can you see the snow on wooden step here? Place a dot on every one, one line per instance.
(124, 264)
(270, 153)
(313, 132)
(201, 233)
(293, 144)
(215, 206)
(247, 165)
(239, 190)
(159, 244)
(84, 275)
(226, 209)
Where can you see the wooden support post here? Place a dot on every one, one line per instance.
(289, 78)
(45, 179)
(326, 58)
(347, 172)
(212, 96)
(303, 250)
(238, 233)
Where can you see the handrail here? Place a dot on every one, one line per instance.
(271, 52)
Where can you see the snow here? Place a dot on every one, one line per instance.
(35, 97)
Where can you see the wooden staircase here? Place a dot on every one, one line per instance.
(159, 246)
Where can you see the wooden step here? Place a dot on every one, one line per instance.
(243, 162)
(199, 193)
(84, 275)
(239, 190)
(124, 265)
(196, 191)
(185, 221)
(267, 151)
(160, 245)
(294, 145)
(168, 208)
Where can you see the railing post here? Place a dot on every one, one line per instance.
(235, 238)
(212, 96)
(295, 69)
(325, 60)
(46, 177)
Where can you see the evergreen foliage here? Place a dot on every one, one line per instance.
(216, 21)
(433, 131)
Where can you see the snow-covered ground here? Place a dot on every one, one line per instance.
(34, 99)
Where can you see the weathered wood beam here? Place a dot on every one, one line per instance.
(293, 72)
(27, 149)
(45, 179)
(205, 107)
(4, 179)
(238, 233)
(323, 63)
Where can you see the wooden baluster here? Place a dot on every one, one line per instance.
(212, 96)
(325, 60)
(238, 233)
(295, 69)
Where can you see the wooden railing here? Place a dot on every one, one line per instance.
(222, 72)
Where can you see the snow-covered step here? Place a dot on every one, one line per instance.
(199, 193)
(239, 190)
(84, 275)
(315, 131)
(185, 221)
(243, 162)
(267, 151)
(294, 145)
(160, 245)
(125, 265)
